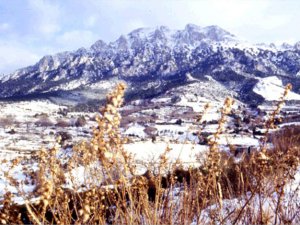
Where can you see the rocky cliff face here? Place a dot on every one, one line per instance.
(152, 61)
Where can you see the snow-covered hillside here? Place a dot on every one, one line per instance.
(271, 89)
(152, 61)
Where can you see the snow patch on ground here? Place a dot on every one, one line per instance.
(136, 129)
(147, 153)
(29, 108)
(15, 173)
(237, 140)
(290, 200)
(271, 88)
(181, 133)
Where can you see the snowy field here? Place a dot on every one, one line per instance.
(28, 126)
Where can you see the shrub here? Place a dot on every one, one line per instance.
(44, 121)
(63, 136)
(7, 121)
(62, 123)
(80, 122)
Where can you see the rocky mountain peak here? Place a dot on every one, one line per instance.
(297, 46)
(286, 46)
(218, 34)
(160, 33)
(121, 43)
(98, 46)
(192, 28)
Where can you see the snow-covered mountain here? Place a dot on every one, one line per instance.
(151, 61)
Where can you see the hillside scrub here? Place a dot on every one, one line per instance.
(95, 181)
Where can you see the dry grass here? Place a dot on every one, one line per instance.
(251, 191)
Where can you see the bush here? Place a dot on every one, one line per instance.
(80, 122)
(64, 136)
(7, 121)
(44, 121)
(62, 123)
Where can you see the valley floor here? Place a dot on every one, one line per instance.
(183, 129)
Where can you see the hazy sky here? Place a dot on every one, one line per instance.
(30, 29)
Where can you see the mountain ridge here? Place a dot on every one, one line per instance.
(152, 60)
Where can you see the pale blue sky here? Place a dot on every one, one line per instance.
(30, 29)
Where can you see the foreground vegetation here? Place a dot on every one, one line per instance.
(258, 188)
